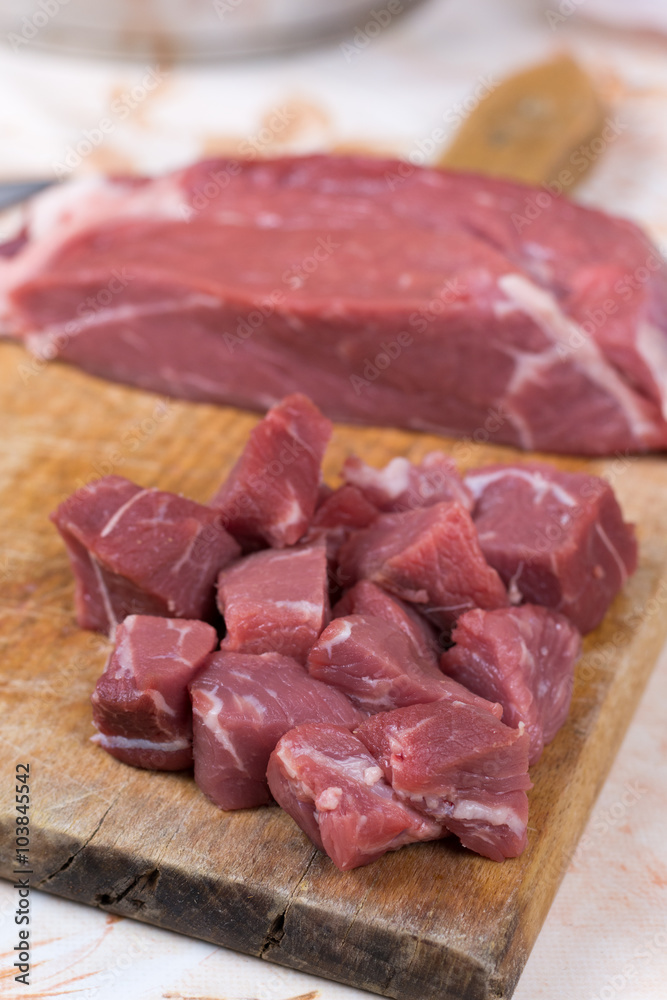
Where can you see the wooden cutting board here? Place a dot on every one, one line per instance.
(429, 921)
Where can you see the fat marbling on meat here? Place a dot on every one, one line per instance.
(242, 704)
(459, 766)
(377, 666)
(429, 300)
(325, 778)
(523, 658)
(429, 557)
(556, 538)
(270, 495)
(141, 551)
(405, 485)
(141, 705)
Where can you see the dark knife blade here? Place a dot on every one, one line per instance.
(14, 192)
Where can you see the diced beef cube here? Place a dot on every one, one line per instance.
(429, 557)
(404, 485)
(366, 598)
(346, 507)
(523, 658)
(325, 778)
(340, 513)
(242, 704)
(461, 767)
(556, 538)
(377, 666)
(141, 705)
(270, 495)
(141, 551)
(275, 601)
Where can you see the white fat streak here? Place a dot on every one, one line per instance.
(295, 513)
(105, 595)
(40, 342)
(652, 348)
(305, 608)
(115, 518)
(544, 310)
(614, 552)
(160, 703)
(478, 482)
(211, 719)
(345, 631)
(123, 653)
(393, 480)
(494, 815)
(124, 743)
(280, 555)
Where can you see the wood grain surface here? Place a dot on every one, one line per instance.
(429, 921)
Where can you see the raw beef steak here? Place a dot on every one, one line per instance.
(426, 300)
(141, 705)
(377, 666)
(141, 551)
(556, 538)
(242, 704)
(270, 495)
(523, 658)
(461, 767)
(275, 601)
(325, 778)
(429, 557)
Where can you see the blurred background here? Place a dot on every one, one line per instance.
(146, 85)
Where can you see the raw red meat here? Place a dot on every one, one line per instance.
(141, 551)
(377, 666)
(275, 601)
(429, 557)
(429, 300)
(346, 507)
(340, 513)
(523, 658)
(403, 485)
(141, 705)
(459, 766)
(270, 495)
(325, 778)
(242, 704)
(366, 598)
(556, 538)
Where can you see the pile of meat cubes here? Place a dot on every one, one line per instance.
(395, 652)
